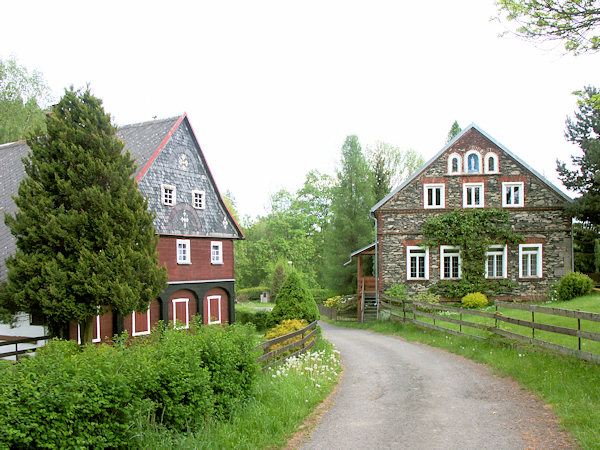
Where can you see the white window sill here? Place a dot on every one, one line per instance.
(184, 263)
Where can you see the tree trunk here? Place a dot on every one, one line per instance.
(87, 330)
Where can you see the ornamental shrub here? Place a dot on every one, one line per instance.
(97, 396)
(293, 302)
(285, 327)
(573, 284)
(397, 291)
(474, 300)
(258, 317)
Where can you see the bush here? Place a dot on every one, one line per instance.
(460, 288)
(573, 284)
(474, 300)
(251, 294)
(397, 291)
(285, 327)
(97, 395)
(427, 297)
(258, 317)
(320, 295)
(334, 302)
(293, 302)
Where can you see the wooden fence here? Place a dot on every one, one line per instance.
(428, 315)
(335, 315)
(17, 353)
(270, 358)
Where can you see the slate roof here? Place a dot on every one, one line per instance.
(543, 179)
(144, 142)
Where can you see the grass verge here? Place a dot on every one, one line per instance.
(569, 385)
(282, 398)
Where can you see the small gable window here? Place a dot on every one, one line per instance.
(473, 162)
(167, 194)
(216, 252)
(198, 199)
(491, 163)
(454, 164)
(433, 195)
(512, 194)
(183, 251)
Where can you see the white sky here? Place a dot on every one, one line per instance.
(272, 88)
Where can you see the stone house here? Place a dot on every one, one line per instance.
(196, 230)
(474, 171)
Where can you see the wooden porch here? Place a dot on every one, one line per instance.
(366, 286)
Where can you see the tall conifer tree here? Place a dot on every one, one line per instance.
(350, 228)
(85, 237)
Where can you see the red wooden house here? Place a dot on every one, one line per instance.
(196, 230)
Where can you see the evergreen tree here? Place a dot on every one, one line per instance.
(85, 237)
(293, 302)
(277, 280)
(584, 130)
(351, 228)
(455, 129)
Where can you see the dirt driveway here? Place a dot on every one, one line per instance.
(398, 394)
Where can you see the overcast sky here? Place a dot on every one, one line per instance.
(272, 88)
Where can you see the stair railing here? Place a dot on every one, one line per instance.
(362, 302)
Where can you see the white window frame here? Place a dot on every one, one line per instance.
(201, 195)
(511, 185)
(96, 339)
(141, 333)
(216, 258)
(452, 157)
(472, 186)
(525, 250)
(187, 257)
(493, 251)
(417, 251)
(489, 156)
(434, 187)
(466, 162)
(443, 250)
(163, 195)
(218, 316)
(186, 324)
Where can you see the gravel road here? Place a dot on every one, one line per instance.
(398, 394)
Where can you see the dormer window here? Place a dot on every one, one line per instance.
(473, 162)
(167, 194)
(198, 199)
(491, 163)
(454, 164)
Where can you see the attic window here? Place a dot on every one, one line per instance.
(167, 194)
(491, 163)
(198, 199)
(454, 164)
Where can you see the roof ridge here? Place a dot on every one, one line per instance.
(8, 144)
(139, 124)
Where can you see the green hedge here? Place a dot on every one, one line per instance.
(97, 396)
(257, 316)
(250, 294)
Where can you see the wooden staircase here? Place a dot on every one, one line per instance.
(368, 300)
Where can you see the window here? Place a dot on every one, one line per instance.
(214, 309)
(512, 194)
(167, 194)
(495, 262)
(491, 163)
(454, 164)
(473, 195)
(473, 162)
(530, 260)
(183, 251)
(418, 263)
(140, 323)
(181, 312)
(450, 259)
(433, 195)
(216, 252)
(198, 199)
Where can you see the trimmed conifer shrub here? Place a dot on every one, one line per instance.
(293, 302)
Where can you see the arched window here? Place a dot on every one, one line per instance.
(491, 163)
(472, 162)
(454, 163)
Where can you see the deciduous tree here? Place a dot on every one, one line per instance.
(22, 99)
(85, 237)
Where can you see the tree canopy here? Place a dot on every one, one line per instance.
(574, 23)
(23, 97)
(584, 179)
(455, 129)
(85, 237)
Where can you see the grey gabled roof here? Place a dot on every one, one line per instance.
(448, 145)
